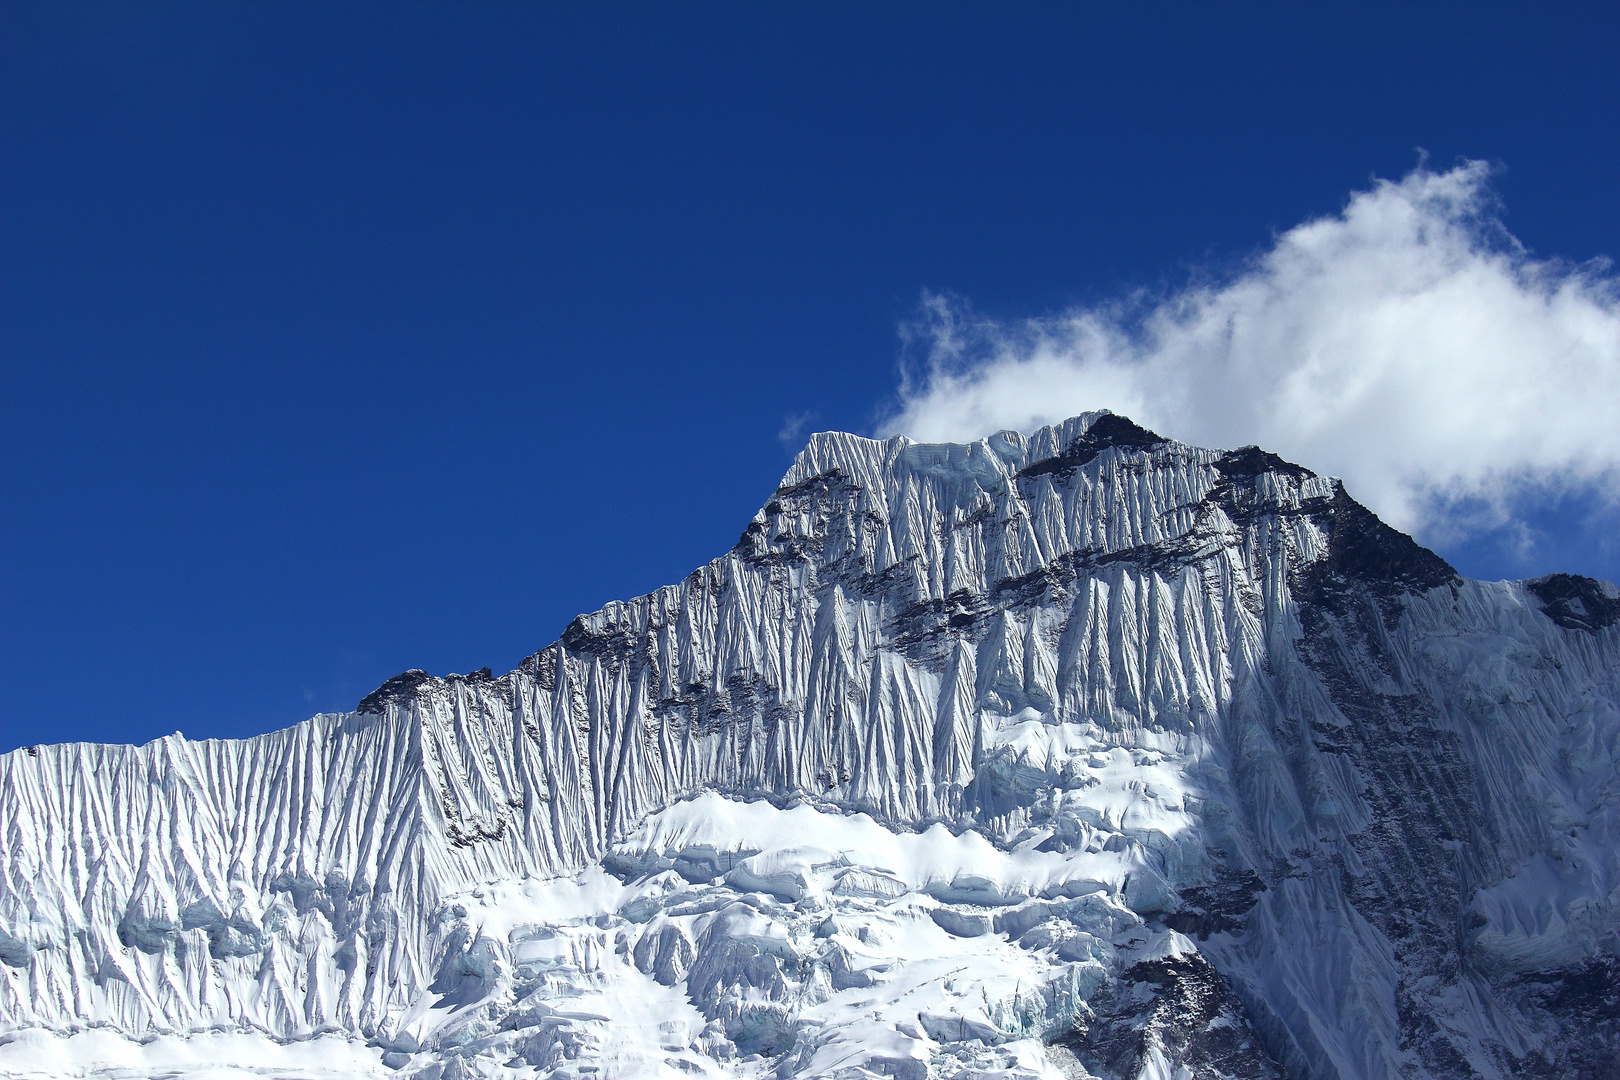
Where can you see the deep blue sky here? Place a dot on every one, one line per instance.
(343, 339)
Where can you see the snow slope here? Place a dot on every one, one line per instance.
(1081, 753)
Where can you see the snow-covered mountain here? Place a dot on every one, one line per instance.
(1086, 753)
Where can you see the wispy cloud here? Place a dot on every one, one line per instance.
(790, 434)
(1408, 344)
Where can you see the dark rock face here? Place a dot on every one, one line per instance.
(1583, 1000)
(1176, 1010)
(1423, 800)
(1365, 553)
(1219, 907)
(399, 688)
(1251, 461)
(1108, 431)
(1575, 602)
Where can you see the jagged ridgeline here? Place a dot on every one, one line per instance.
(1082, 753)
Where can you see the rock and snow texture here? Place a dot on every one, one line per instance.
(1085, 753)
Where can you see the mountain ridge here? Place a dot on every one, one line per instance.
(1327, 736)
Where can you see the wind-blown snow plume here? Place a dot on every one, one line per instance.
(1408, 344)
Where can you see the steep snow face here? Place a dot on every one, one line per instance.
(1081, 753)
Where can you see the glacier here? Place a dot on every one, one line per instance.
(1083, 753)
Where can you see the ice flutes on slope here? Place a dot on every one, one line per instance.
(1086, 753)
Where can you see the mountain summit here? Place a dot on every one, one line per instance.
(1083, 753)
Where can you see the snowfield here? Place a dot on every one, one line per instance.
(1080, 754)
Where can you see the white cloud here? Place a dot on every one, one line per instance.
(792, 425)
(1408, 344)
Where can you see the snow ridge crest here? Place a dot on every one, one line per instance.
(1154, 740)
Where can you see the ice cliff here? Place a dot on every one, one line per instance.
(1083, 753)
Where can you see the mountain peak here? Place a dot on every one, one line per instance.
(1078, 750)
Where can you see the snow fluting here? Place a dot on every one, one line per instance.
(1081, 753)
